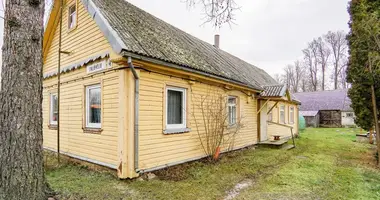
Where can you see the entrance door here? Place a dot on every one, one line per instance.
(264, 123)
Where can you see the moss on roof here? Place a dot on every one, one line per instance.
(145, 34)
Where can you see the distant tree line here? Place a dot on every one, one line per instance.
(323, 65)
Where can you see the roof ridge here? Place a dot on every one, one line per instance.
(322, 91)
(157, 41)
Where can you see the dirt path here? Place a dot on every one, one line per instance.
(251, 182)
(239, 187)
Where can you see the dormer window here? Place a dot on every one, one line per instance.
(72, 16)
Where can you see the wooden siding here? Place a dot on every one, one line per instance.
(158, 149)
(84, 41)
(274, 129)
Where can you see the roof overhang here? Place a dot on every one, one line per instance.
(127, 54)
(280, 99)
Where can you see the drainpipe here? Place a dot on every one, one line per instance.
(59, 82)
(136, 132)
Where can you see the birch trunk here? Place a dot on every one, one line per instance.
(21, 155)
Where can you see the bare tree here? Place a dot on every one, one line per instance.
(323, 53)
(288, 76)
(278, 78)
(311, 62)
(338, 44)
(343, 74)
(21, 156)
(305, 86)
(293, 76)
(217, 12)
(298, 75)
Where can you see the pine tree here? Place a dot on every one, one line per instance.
(21, 155)
(364, 43)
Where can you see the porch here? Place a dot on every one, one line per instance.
(282, 143)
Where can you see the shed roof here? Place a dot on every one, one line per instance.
(309, 113)
(273, 91)
(324, 100)
(139, 33)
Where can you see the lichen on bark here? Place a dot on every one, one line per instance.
(21, 155)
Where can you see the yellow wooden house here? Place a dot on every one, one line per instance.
(127, 79)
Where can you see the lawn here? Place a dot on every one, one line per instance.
(326, 164)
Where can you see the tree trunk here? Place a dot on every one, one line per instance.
(374, 109)
(336, 77)
(323, 79)
(21, 153)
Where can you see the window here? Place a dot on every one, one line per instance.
(282, 114)
(232, 110)
(175, 108)
(53, 109)
(72, 16)
(349, 114)
(93, 106)
(270, 116)
(291, 115)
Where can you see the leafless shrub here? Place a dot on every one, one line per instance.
(217, 121)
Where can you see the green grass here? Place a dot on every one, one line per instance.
(326, 164)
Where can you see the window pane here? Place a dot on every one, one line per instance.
(54, 108)
(232, 110)
(232, 100)
(233, 115)
(175, 107)
(282, 114)
(94, 105)
(292, 115)
(72, 16)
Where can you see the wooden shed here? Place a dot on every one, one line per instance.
(311, 118)
(333, 108)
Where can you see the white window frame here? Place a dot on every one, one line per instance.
(184, 100)
(88, 124)
(52, 122)
(72, 19)
(291, 114)
(282, 109)
(236, 110)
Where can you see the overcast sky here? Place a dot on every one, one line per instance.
(268, 33)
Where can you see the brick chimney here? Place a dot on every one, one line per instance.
(216, 41)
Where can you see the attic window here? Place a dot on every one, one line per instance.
(72, 16)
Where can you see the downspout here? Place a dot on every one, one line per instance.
(59, 81)
(136, 110)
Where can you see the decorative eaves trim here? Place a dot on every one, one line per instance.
(113, 38)
(77, 65)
